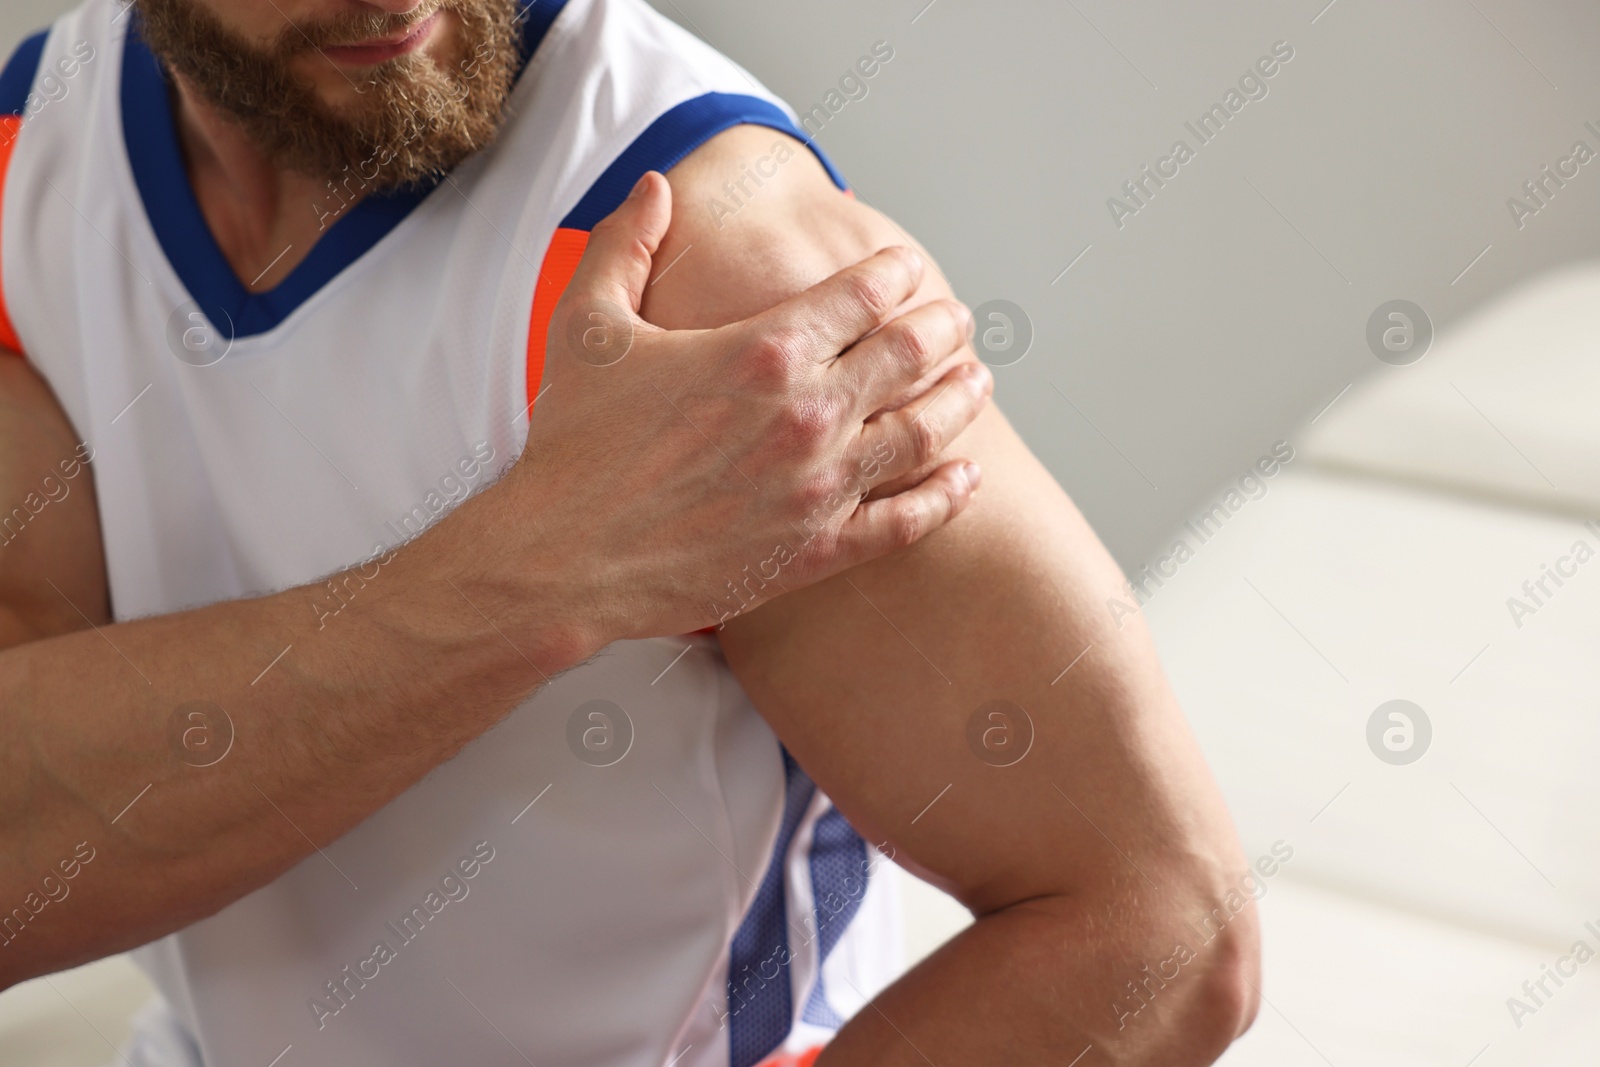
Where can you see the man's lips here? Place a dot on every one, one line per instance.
(382, 49)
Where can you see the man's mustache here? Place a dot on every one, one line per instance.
(355, 28)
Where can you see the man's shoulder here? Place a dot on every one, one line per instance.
(757, 216)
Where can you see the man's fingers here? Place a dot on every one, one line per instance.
(616, 265)
(879, 527)
(832, 315)
(913, 437)
(886, 366)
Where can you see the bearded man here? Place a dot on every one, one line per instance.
(458, 608)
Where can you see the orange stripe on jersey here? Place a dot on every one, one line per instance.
(560, 263)
(793, 1059)
(9, 127)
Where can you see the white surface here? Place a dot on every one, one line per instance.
(1353, 984)
(77, 1018)
(1399, 590)
(1504, 405)
(931, 917)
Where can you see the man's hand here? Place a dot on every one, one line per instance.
(670, 467)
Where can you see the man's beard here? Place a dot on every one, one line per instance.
(413, 120)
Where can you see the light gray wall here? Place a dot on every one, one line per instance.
(18, 18)
(1234, 305)
(1212, 322)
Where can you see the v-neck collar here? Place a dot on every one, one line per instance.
(151, 137)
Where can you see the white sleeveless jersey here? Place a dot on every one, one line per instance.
(696, 901)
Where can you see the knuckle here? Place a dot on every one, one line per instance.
(913, 343)
(824, 550)
(806, 423)
(775, 352)
(613, 248)
(636, 256)
(906, 526)
(926, 440)
(811, 499)
(606, 238)
(871, 289)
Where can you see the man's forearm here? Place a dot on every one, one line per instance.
(1061, 980)
(113, 732)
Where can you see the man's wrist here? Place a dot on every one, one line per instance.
(490, 569)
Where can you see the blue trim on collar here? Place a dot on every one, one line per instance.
(536, 17)
(16, 81)
(672, 137)
(169, 201)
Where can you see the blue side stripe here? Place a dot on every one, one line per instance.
(16, 81)
(760, 998)
(839, 873)
(672, 137)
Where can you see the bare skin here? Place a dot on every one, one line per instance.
(1082, 863)
(255, 210)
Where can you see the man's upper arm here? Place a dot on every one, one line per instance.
(873, 679)
(52, 565)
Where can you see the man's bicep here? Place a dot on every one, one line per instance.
(924, 692)
(875, 678)
(49, 521)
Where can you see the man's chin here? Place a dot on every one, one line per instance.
(370, 128)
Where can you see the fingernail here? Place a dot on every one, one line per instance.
(974, 475)
(638, 186)
(981, 376)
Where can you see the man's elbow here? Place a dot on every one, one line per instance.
(1207, 1004)
(1177, 990)
(1232, 986)
(1224, 998)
